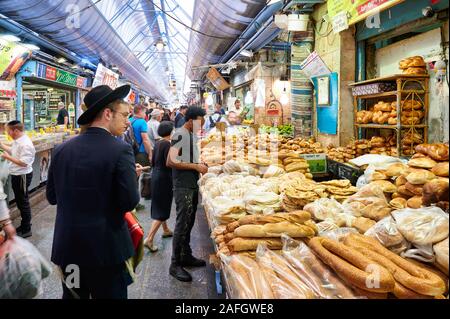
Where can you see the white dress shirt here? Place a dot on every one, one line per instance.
(22, 149)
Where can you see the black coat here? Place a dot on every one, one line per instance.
(92, 180)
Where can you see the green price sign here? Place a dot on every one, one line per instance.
(66, 78)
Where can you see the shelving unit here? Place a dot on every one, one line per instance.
(409, 87)
(7, 110)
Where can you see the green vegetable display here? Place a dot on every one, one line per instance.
(284, 130)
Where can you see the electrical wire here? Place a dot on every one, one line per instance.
(195, 30)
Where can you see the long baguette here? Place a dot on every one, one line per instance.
(274, 230)
(298, 217)
(242, 244)
(352, 266)
(401, 292)
(418, 279)
(369, 294)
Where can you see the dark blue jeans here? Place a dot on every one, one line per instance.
(186, 200)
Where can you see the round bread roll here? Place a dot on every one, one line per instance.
(378, 176)
(396, 169)
(392, 121)
(424, 162)
(386, 186)
(420, 177)
(398, 203)
(417, 190)
(415, 202)
(404, 192)
(441, 169)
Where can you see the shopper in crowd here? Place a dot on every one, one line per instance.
(232, 123)
(152, 126)
(219, 109)
(162, 192)
(184, 160)
(63, 115)
(5, 221)
(166, 115)
(83, 128)
(214, 118)
(146, 110)
(140, 129)
(179, 119)
(92, 180)
(21, 155)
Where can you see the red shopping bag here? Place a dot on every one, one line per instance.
(136, 231)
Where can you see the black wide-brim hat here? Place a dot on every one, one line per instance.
(98, 98)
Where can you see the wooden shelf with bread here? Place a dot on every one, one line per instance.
(398, 102)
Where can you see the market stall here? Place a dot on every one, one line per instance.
(278, 233)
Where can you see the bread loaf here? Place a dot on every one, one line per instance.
(414, 202)
(417, 190)
(423, 162)
(438, 152)
(298, 216)
(441, 169)
(351, 265)
(441, 251)
(435, 191)
(243, 244)
(412, 277)
(386, 186)
(400, 180)
(274, 230)
(362, 224)
(398, 203)
(420, 177)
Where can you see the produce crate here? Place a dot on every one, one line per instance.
(352, 173)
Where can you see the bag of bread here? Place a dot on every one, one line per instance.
(339, 234)
(441, 252)
(245, 278)
(386, 232)
(422, 226)
(368, 202)
(324, 208)
(313, 272)
(284, 282)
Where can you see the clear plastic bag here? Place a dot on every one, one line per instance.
(313, 272)
(284, 282)
(324, 208)
(245, 278)
(422, 226)
(22, 269)
(339, 234)
(386, 232)
(420, 252)
(441, 252)
(368, 202)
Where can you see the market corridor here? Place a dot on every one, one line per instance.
(153, 279)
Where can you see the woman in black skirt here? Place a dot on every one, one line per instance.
(161, 186)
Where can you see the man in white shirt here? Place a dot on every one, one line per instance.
(152, 125)
(21, 155)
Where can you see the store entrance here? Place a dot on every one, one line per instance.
(40, 104)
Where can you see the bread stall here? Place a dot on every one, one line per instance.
(280, 232)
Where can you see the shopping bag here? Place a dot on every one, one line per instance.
(137, 237)
(22, 269)
(146, 185)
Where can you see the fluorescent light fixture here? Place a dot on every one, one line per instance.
(246, 53)
(31, 47)
(75, 66)
(273, 2)
(160, 45)
(10, 38)
(61, 60)
(115, 68)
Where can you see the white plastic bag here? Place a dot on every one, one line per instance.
(422, 226)
(22, 269)
(386, 232)
(420, 252)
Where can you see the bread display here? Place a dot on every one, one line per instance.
(352, 265)
(423, 162)
(441, 169)
(438, 152)
(414, 65)
(275, 230)
(420, 176)
(415, 278)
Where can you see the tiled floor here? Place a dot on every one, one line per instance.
(153, 279)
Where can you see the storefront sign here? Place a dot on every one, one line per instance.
(50, 73)
(105, 76)
(60, 76)
(340, 22)
(358, 10)
(314, 66)
(217, 80)
(12, 57)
